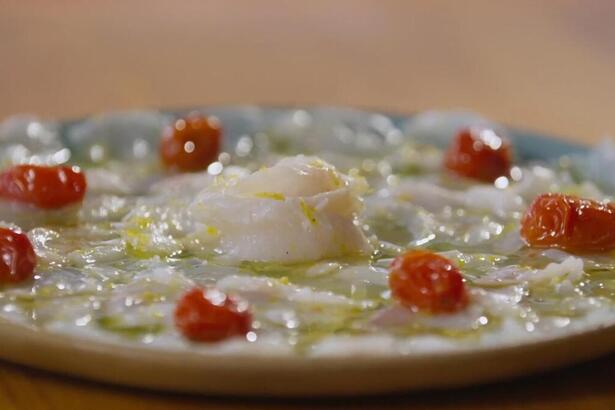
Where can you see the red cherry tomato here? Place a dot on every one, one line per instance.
(569, 223)
(208, 315)
(17, 257)
(191, 143)
(425, 281)
(479, 153)
(43, 186)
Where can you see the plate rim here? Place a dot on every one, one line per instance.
(294, 376)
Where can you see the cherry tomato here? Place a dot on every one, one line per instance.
(570, 223)
(479, 153)
(43, 186)
(191, 143)
(209, 315)
(425, 281)
(17, 257)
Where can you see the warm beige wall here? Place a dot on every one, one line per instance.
(546, 64)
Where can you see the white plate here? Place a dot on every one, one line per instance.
(200, 372)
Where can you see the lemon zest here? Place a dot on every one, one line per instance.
(309, 212)
(270, 195)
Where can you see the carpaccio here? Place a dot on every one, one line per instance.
(300, 232)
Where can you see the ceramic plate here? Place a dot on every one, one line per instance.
(243, 374)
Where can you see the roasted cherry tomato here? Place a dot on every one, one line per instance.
(425, 281)
(43, 186)
(191, 143)
(570, 223)
(17, 257)
(209, 315)
(479, 153)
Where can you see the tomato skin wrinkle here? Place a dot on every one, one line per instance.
(480, 154)
(570, 223)
(191, 143)
(209, 315)
(425, 281)
(46, 187)
(17, 257)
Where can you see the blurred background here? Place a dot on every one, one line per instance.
(547, 65)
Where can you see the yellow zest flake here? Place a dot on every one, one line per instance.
(212, 230)
(336, 180)
(137, 243)
(270, 195)
(142, 222)
(136, 237)
(309, 212)
(333, 175)
(318, 164)
(137, 251)
(149, 297)
(284, 280)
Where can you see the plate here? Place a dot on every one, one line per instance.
(200, 372)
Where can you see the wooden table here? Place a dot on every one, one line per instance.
(547, 65)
